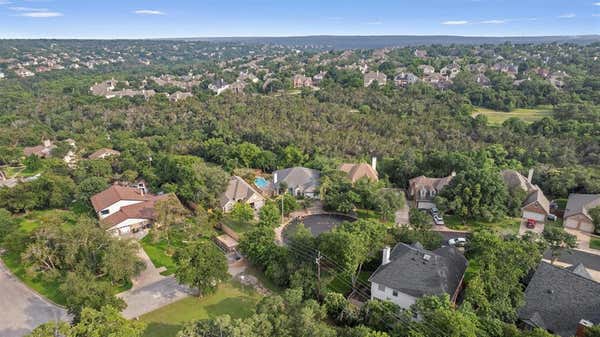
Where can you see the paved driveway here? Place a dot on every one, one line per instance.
(152, 296)
(21, 310)
(151, 290)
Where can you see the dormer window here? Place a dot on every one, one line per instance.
(104, 212)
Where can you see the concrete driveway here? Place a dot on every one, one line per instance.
(21, 310)
(151, 290)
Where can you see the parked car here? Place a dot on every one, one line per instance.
(457, 242)
(438, 220)
(551, 217)
(530, 223)
(434, 211)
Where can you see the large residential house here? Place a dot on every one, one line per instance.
(563, 301)
(42, 151)
(409, 272)
(178, 96)
(125, 209)
(426, 69)
(404, 79)
(299, 181)
(362, 170)
(239, 191)
(104, 153)
(301, 81)
(371, 77)
(424, 189)
(577, 212)
(218, 86)
(536, 206)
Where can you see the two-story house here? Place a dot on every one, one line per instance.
(423, 189)
(408, 272)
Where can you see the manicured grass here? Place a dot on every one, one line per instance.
(157, 252)
(262, 278)
(504, 226)
(238, 227)
(527, 115)
(231, 299)
(47, 288)
(595, 243)
(30, 221)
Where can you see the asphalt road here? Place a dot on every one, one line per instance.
(21, 310)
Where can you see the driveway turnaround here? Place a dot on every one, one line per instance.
(21, 309)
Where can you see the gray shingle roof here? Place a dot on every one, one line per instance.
(410, 272)
(556, 299)
(581, 203)
(238, 190)
(305, 178)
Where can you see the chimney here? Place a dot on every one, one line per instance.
(386, 255)
(582, 326)
(530, 175)
(374, 163)
(453, 174)
(275, 178)
(47, 143)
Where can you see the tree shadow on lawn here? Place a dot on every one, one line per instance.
(236, 307)
(162, 330)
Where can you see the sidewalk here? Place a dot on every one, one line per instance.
(583, 241)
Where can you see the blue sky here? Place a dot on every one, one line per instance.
(202, 18)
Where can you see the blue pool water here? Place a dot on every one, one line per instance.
(261, 182)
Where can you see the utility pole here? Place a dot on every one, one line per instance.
(318, 262)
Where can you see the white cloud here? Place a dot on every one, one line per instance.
(42, 14)
(596, 3)
(4, 2)
(28, 9)
(148, 12)
(494, 21)
(596, 15)
(455, 22)
(374, 23)
(567, 16)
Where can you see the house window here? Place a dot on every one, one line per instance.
(104, 211)
(395, 293)
(380, 287)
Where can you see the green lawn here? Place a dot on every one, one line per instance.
(34, 219)
(505, 226)
(157, 252)
(238, 227)
(595, 243)
(231, 299)
(527, 115)
(47, 288)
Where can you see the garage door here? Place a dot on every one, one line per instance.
(571, 223)
(425, 205)
(586, 226)
(535, 216)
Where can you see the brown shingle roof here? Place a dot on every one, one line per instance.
(116, 193)
(357, 171)
(142, 210)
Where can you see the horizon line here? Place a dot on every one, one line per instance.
(302, 36)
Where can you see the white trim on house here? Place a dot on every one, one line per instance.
(381, 292)
(116, 207)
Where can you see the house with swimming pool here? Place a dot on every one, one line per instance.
(298, 181)
(238, 190)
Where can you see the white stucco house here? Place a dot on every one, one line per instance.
(124, 209)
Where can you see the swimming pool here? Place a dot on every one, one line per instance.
(261, 182)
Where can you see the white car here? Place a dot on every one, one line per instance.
(458, 242)
(438, 220)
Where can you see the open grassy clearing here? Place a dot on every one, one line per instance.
(527, 115)
(231, 298)
(595, 243)
(504, 226)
